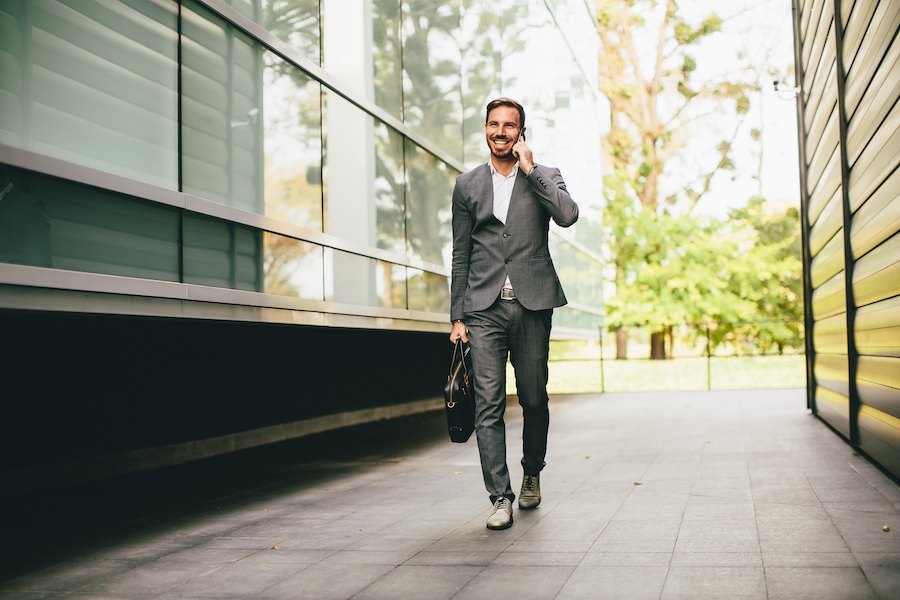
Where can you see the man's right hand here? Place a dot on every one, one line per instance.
(459, 332)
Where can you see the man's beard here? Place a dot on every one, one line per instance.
(507, 154)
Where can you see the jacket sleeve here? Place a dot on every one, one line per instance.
(551, 189)
(462, 250)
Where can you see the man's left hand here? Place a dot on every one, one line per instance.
(523, 153)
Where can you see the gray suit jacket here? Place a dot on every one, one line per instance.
(485, 250)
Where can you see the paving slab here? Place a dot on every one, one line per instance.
(670, 495)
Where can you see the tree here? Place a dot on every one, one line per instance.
(646, 71)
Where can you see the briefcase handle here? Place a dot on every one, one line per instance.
(460, 352)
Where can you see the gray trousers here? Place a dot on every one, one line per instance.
(508, 327)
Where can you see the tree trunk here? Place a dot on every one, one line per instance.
(622, 344)
(670, 350)
(658, 345)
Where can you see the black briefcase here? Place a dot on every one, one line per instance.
(458, 399)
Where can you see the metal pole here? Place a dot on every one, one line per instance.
(804, 220)
(708, 361)
(602, 383)
(852, 354)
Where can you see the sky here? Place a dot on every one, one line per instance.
(761, 30)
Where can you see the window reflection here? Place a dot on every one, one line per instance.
(293, 21)
(293, 267)
(49, 222)
(364, 180)
(386, 56)
(293, 145)
(428, 291)
(390, 284)
(94, 83)
(431, 72)
(221, 253)
(225, 254)
(390, 197)
(250, 124)
(430, 189)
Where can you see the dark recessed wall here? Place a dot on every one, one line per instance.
(86, 385)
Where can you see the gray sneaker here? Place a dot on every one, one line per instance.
(501, 518)
(530, 496)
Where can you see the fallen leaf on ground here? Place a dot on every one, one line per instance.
(274, 548)
(638, 483)
(885, 528)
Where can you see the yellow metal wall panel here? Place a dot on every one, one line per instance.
(822, 101)
(857, 22)
(878, 218)
(874, 45)
(821, 61)
(879, 437)
(827, 225)
(880, 96)
(882, 397)
(877, 328)
(847, 9)
(827, 144)
(830, 335)
(883, 370)
(829, 261)
(810, 8)
(877, 274)
(812, 51)
(829, 299)
(880, 157)
(823, 187)
(880, 370)
(815, 18)
(834, 408)
(833, 372)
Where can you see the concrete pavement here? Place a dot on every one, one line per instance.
(647, 495)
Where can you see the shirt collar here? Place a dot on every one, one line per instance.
(512, 173)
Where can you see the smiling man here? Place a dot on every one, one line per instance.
(503, 290)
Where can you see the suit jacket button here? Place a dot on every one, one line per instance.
(506, 235)
(507, 261)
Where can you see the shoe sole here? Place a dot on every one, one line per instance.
(533, 506)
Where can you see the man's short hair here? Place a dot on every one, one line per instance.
(505, 102)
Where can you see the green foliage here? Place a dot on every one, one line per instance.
(672, 266)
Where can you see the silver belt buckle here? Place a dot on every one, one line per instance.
(507, 294)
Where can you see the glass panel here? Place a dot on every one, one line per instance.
(293, 145)
(293, 267)
(350, 278)
(293, 21)
(430, 189)
(428, 291)
(386, 54)
(431, 72)
(349, 172)
(354, 279)
(390, 202)
(94, 83)
(390, 284)
(48, 222)
(225, 254)
(250, 124)
(364, 187)
(221, 254)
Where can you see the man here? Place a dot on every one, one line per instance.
(503, 292)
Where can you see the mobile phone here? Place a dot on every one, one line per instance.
(521, 136)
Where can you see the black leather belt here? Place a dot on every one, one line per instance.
(507, 294)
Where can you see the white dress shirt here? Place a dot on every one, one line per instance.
(503, 187)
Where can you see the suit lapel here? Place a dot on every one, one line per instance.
(517, 192)
(485, 191)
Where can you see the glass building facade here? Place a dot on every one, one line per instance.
(282, 160)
